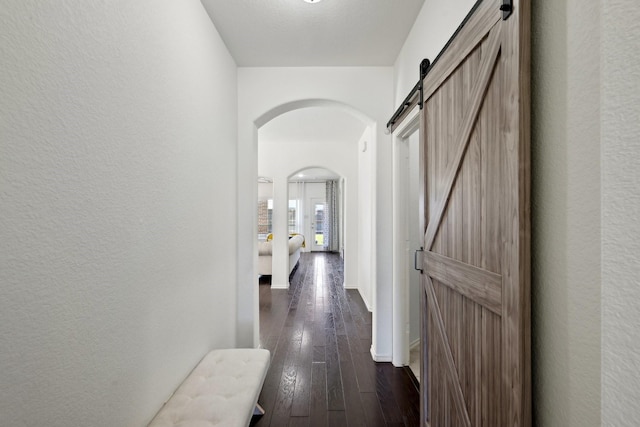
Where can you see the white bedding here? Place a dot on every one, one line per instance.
(295, 243)
(265, 252)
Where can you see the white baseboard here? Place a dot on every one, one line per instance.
(279, 286)
(366, 303)
(380, 357)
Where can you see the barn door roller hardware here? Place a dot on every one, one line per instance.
(410, 100)
(424, 69)
(507, 8)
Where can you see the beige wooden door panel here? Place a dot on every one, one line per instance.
(476, 308)
(481, 286)
(451, 161)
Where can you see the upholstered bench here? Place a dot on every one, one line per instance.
(222, 390)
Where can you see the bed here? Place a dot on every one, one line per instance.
(296, 243)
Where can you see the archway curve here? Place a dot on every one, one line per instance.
(347, 173)
(307, 103)
(358, 268)
(314, 166)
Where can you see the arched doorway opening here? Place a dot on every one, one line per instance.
(322, 143)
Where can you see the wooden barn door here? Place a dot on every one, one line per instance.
(476, 278)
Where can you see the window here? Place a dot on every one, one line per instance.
(293, 216)
(319, 224)
(265, 218)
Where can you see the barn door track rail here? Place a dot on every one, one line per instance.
(506, 7)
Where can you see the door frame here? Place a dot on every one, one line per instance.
(401, 257)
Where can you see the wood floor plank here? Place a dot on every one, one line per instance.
(322, 373)
(318, 353)
(372, 410)
(272, 382)
(338, 419)
(385, 394)
(403, 387)
(301, 395)
(335, 394)
(318, 416)
(284, 398)
(298, 422)
(352, 401)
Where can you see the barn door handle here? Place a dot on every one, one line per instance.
(415, 260)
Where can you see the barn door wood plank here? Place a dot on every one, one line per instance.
(481, 286)
(516, 349)
(462, 137)
(452, 372)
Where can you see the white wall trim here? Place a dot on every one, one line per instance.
(414, 344)
(367, 303)
(400, 338)
(380, 357)
(409, 125)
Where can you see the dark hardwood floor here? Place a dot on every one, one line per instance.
(322, 373)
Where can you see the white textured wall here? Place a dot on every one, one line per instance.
(265, 190)
(620, 66)
(566, 202)
(434, 25)
(117, 126)
(365, 161)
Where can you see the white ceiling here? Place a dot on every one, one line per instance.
(326, 33)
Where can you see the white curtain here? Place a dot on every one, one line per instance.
(332, 218)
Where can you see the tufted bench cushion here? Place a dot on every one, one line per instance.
(221, 391)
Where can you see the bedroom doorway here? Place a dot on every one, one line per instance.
(319, 194)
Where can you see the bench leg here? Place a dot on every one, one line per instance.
(258, 411)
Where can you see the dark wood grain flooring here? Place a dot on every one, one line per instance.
(322, 373)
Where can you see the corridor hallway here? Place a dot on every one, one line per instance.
(322, 373)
